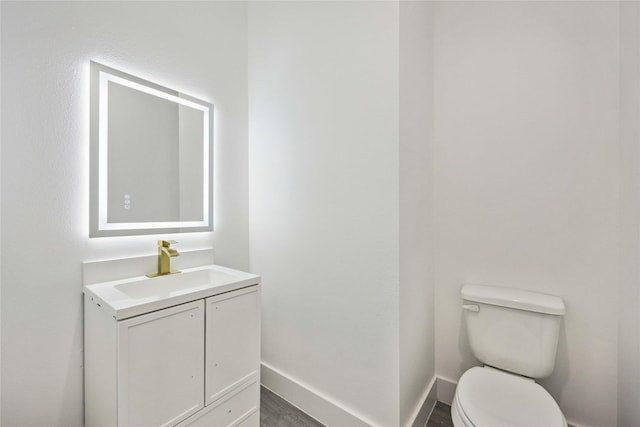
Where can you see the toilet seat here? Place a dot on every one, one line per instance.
(487, 397)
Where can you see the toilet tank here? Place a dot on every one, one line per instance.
(513, 329)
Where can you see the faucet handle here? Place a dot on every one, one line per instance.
(166, 243)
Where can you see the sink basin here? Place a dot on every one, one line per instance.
(173, 284)
(138, 295)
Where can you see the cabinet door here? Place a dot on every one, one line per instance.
(161, 366)
(232, 341)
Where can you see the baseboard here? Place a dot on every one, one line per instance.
(425, 405)
(445, 389)
(331, 413)
(312, 402)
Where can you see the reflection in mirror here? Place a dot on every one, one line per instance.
(151, 157)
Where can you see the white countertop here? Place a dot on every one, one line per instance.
(134, 296)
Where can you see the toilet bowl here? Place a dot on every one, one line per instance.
(487, 397)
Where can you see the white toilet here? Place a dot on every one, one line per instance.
(515, 334)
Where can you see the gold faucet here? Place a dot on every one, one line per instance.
(165, 253)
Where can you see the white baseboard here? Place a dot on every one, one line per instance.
(426, 404)
(446, 389)
(332, 413)
(309, 401)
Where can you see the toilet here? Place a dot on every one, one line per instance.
(514, 333)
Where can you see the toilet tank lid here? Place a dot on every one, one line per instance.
(514, 298)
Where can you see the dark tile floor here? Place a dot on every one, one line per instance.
(440, 416)
(277, 412)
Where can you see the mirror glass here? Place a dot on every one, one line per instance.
(151, 157)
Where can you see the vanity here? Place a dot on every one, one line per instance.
(176, 350)
(181, 348)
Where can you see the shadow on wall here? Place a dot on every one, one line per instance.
(75, 366)
(556, 382)
(468, 359)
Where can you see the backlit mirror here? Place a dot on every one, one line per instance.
(151, 157)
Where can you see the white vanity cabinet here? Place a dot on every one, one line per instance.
(193, 364)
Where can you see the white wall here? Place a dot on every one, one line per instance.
(526, 185)
(629, 315)
(323, 85)
(0, 223)
(526, 173)
(417, 353)
(46, 47)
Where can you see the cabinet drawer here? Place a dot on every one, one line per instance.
(233, 410)
(252, 420)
